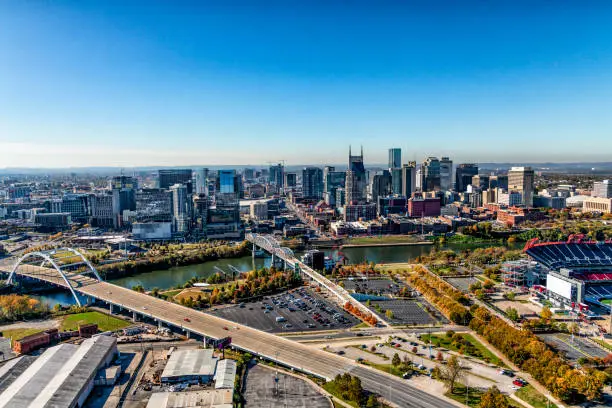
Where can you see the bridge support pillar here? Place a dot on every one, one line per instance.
(110, 309)
(253, 251)
(89, 300)
(273, 260)
(159, 324)
(134, 317)
(187, 334)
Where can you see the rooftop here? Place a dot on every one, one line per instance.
(196, 362)
(192, 399)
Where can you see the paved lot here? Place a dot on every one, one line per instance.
(298, 308)
(373, 286)
(291, 391)
(404, 312)
(573, 349)
(462, 284)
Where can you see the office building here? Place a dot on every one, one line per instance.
(463, 175)
(224, 216)
(170, 177)
(102, 211)
(396, 180)
(521, 179)
(357, 212)
(340, 197)
(201, 181)
(602, 189)
(181, 208)
(509, 199)
(332, 180)
(356, 180)
(430, 174)
(381, 185)
(395, 158)
(53, 221)
(75, 204)
(408, 178)
(277, 172)
(391, 205)
(424, 207)
(200, 211)
(154, 205)
(312, 183)
(446, 174)
(481, 181)
(290, 180)
(123, 189)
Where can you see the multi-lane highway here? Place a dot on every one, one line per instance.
(290, 353)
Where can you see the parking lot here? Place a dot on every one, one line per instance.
(463, 284)
(404, 312)
(378, 287)
(573, 348)
(297, 310)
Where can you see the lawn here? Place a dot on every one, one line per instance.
(481, 352)
(384, 239)
(170, 294)
(534, 397)
(474, 396)
(387, 368)
(16, 334)
(606, 301)
(603, 343)
(104, 322)
(332, 389)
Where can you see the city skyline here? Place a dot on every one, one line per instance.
(181, 85)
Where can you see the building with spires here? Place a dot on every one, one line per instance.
(356, 179)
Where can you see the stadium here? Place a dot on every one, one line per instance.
(580, 272)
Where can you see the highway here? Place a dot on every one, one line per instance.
(269, 346)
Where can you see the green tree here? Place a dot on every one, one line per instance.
(452, 372)
(512, 314)
(372, 402)
(396, 360)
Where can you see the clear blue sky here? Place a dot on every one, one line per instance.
(173, 83)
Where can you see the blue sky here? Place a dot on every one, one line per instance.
(119, 83)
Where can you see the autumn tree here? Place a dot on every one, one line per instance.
(493, 398)
(546, 314)
(452, 372)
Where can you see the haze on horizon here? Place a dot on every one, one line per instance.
(109, 83)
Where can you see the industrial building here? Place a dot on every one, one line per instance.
(225, 374)
(193, 366)
(62, 376)
(222, 398)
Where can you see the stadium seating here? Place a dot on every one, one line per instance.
(556, 255)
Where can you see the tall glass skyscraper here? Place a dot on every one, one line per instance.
(395, 158)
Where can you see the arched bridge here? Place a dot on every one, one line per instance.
(65, 267)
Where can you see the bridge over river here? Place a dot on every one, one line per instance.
(79, 276)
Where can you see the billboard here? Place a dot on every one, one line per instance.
(559, 286)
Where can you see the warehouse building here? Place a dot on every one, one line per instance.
(193, 366)
(63, 376)
(225, 374)
(192, 399)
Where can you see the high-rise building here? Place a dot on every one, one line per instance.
(170, 177)
(464, 174)
(154, 205)
(395, 158)
(356, 180)
(381, 185)
(248, 174)
(481, 181)
(201, 181)
(332, 180)
(521, 179)
(181, 208)
(312, 183)
(446, 174)
(408, 174)
(290, 180)
(602, 189)
(75, 204)
(277, 175)
(123, 190)
(396, 180)
(224, 217)
(102, 211)
(430, 174)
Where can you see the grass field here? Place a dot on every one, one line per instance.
(474, 396)
(331, 388)
(104, 322)
(606, 301)
(534, 397)
(603, 344)
(16, 334)
(481, 351)
(384, 239)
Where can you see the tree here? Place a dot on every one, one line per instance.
(546, 314)
(493, 399)
(372, 402)
(452, 372)
(439, 356)
(389, 314)
(396, 360)
(512, 314)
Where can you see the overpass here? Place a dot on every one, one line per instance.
(271, 245)
(265, 345)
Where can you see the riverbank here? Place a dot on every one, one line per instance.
(388, 244)
(384, 240)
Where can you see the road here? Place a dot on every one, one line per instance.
(271, 347)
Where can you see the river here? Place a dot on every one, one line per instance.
(168, 278)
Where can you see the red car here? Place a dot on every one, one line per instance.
(187, 319)
(519, 382)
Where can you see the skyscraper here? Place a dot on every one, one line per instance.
(170, 177)
(464, 174)
(332, 180)
(430, 174)
(446, 174)
(381, 185)
(201, 178)
(395, 158)
(181, 208)
(396, 180)
(123, 190)
(224, 217)
(408, 179)
(277, 175)
(521, 179)
(312, 183)
(356, 180)
(602, 189)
